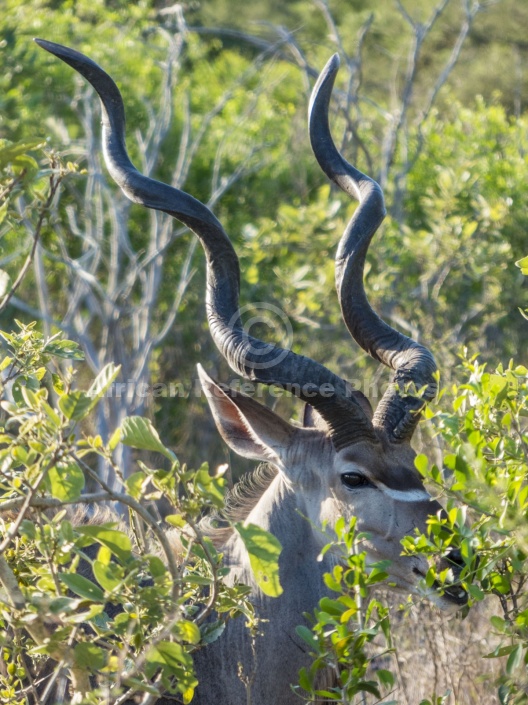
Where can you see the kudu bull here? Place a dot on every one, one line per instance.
(345, 461)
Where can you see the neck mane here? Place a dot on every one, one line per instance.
(240, 502)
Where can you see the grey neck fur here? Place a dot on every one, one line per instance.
(218, 667)
(240, 501)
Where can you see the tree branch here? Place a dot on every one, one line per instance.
(55, 180)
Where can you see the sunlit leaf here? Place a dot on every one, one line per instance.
(82, 586)
(68, 349)
(138, 432)
(187, 631)
(117, 541)
(264, 550)
(66, 480)
(108, 575)
(75, 405)
(89, 656)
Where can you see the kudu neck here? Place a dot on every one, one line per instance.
(281, 512)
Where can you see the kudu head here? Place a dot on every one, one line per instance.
(346, 460)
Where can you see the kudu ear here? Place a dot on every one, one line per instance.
(313, 419)
(364, 403)
(249, 428)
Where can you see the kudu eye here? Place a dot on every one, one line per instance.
(355, 480)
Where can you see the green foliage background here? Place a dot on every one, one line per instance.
(442, 264)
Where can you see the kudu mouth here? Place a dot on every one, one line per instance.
(447, 594)
(454, 592)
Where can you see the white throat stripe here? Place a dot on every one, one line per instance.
(406, 495)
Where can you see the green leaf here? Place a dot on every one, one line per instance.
(475, 592)
(108, 575)
(58, 383)
(333, 607)
(66, 481)
(24, 381)
(82, 586)
(333, 580)
(504, 694)
(138, 432)
(304, 680)
(63, 605)
(114, 439)
(187, 631)
(369, 687)
(15, 152)
(117, 541)
(500, 583)
(211, 487)
(514, 659)
(30, 398)
(66, 349)
(75, 405)
(103, 381)
(3, 213)
(134, 484)
(386, 678)
(498, 623)
(170, 656)
(328, 694)
(307, 636)
(421, 463)
(50, 413)
(212, 632)
(523, 265)
(156, 566)
(89, 656)
(264, 550)
(5, 363)
(176, 520)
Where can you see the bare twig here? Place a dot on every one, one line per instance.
(11, 185)
(15, 526)
(15, 597)
(335, 35)
(420, 32)
(471, 10)
(41, 634)
(51, 502)
(125, 499)
(55, 180)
